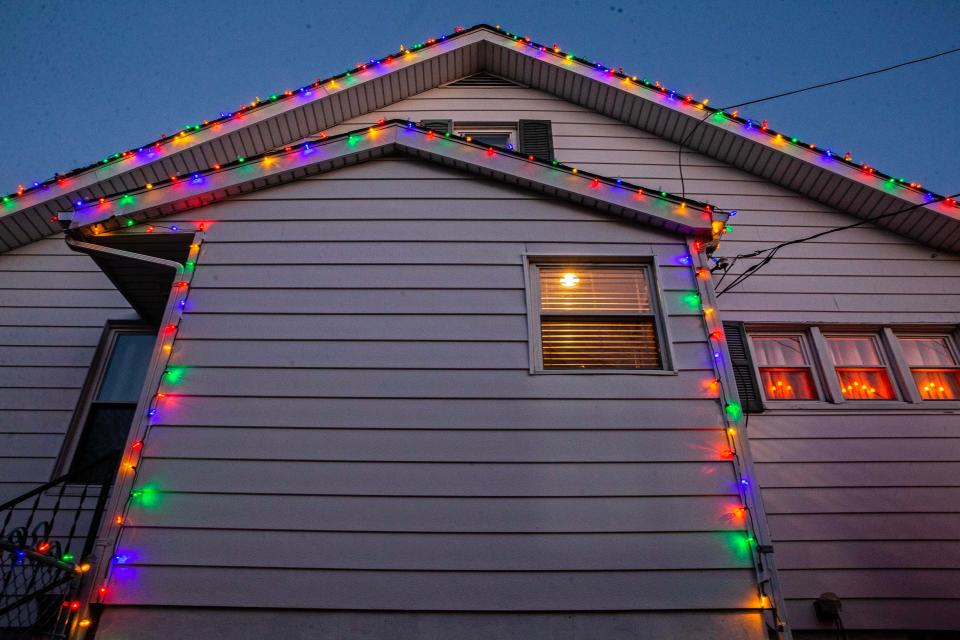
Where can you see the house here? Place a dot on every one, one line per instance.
(444, 347)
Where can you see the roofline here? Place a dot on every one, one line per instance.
(327, 154)
(282, 119)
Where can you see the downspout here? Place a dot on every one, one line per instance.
(95, 586)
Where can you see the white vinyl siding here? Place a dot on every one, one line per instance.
(358, 384)
(54, 304)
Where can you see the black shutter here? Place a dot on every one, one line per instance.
(536, 139)
(742, 363)
(440, 126)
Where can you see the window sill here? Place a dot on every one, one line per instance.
(604, 372)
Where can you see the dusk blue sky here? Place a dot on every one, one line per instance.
(82, 80)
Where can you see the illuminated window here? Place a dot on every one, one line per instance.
(861, 369)
(934, 365)
(597, 317)
(784, 365)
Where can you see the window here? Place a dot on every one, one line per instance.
(502, 137)
(597, 317)
(107, 412)
(529, 137)
(784, 366)
(934, 364)
(774, 366)
(860, 367)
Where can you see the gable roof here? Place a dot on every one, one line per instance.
(396, 137)
(294, 115)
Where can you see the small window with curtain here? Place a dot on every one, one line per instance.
(599, 317)
(861, 369)
(934, 365)
(784, 364)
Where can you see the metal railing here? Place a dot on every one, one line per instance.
(46, 537)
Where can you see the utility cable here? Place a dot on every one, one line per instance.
(821, 85)
(771, 252)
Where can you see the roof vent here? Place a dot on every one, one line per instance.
(483, 79)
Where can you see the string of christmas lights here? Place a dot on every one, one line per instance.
(130, 460)
(267, 160)
(628, 81)
(733, 415)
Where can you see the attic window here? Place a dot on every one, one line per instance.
(596, 317)
(503, 136)
(529, 137)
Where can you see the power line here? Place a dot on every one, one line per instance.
(772, 251)
(683, 188)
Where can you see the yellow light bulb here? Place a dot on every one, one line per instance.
(569, 280)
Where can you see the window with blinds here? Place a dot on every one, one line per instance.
(597, 317)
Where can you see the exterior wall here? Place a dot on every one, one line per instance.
(54, 304)
(355, 426)
(866, 504)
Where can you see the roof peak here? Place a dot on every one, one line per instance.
(459, 31)
(293, 115)
(329, 153)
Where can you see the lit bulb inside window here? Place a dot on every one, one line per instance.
(569, 280)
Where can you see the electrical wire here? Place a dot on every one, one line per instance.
(771, 252)
(821, 85)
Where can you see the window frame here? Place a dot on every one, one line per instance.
(810, 355)
(96, 374)
(886, 360)
(497, 128)
(647, 261)
(906, 370)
